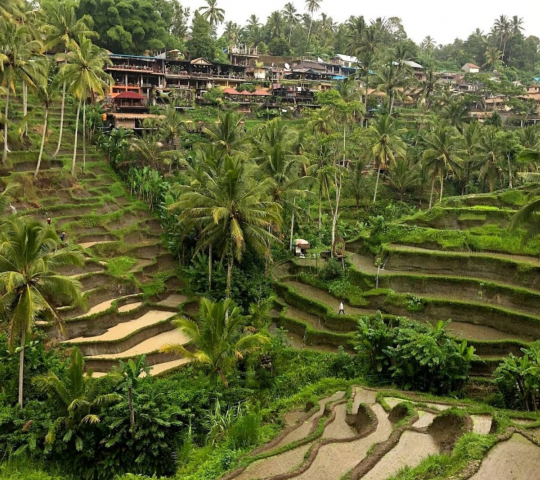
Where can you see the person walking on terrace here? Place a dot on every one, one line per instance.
(341, 309)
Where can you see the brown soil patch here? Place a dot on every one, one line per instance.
(411, 449)
(313, 320)
(335, 459)
(129, 307)
(514, 459)
(362, 395)
(398, 413)
(160, 368)
(470, 331)
(393, 401)
(339, 428)
(91, 244)
(293, 417)
(153, 344)
(446, 429)
(277, 465)
(481, 424)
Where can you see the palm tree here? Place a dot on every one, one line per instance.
(503, 28)
(228, 135)
(232, 30)
(403, 176)
(219, 337)
(489, 153)
(212, 13)
(441, 156)
(17, 50)
(469, 151)
(291, 17)
(274, 24)
(83, 71)
(393, 80)
(493, 56)
(29, 285)
(77, 395)
(457, 114)
(385, 143)
(63, 28)
(312, 6)
(428, 44)
(47, 92)
(232, 209)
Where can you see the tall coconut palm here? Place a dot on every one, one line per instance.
(403, 176)
(312, 6)
(78, 397)
(386, 145)
(232, 30)
(17, 49)
(503, 28)
(30, 286)
(291, 17)
(219, 337)
(63, 28)
(393, 80)
(441, 156)
(232, 209)
(83, 72)
(489, 157)
(47, 91)
(212, 13)
(274, 24)
(228, 135)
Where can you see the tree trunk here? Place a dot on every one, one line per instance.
(61, 120)
(377, 184)
(25, 107)
(431, 195)
(43, 135)
(366, 95)
(442, 188)
(510, 183)
(391, 103)
(21, 367)
(6, 113)
(131, 411)
(210, 267)
(74, 162)
(320, 208)
(229, 276)
(292, 228)
(335, 216)
(84, 137)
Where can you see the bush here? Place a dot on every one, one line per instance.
(332, 270)
(245, 431)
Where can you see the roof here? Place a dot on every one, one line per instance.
(412, 64)
(471, 65)
(260, 92)
(231, 91)
(129, 116)
(245, 92)
(347, 58)
(200, 61)
(138, 57)
(128, 95)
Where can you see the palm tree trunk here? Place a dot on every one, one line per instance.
(131, 411)
(25, 106)
(431, 195)
(320, 208)
(61, 120)
(510, 183)
(84, 138)
(391, 103)
(377, 183)
(229, 277)
(21, 367)
(43, 135)
(6, 113)
(73, 163)
(292, 227)
(366, 95)
(442, 187)
(210, 267)
(310, 26)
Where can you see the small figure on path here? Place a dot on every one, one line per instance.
(341, 309)
(63, 236)
(48, 220)
(12, 209)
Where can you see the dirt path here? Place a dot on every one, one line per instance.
(412, 449)
(515, 459)
(317, 294)
(313, 320)
(361, 395)
(304, 429)
(129, 307)
(425, 420)
(173, 300)
(339, 428)
(469, 331)
(124, 329)
(336, 459)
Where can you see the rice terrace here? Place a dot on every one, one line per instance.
(292, 241)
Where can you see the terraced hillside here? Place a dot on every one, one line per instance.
(130, 288)
(370, 434)
(457, 262)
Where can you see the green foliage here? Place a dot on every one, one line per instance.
(413, 355)
(201, 43)
(118, 267)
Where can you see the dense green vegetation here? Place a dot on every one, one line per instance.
(232, 199)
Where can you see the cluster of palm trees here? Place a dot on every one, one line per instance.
(26, 36)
